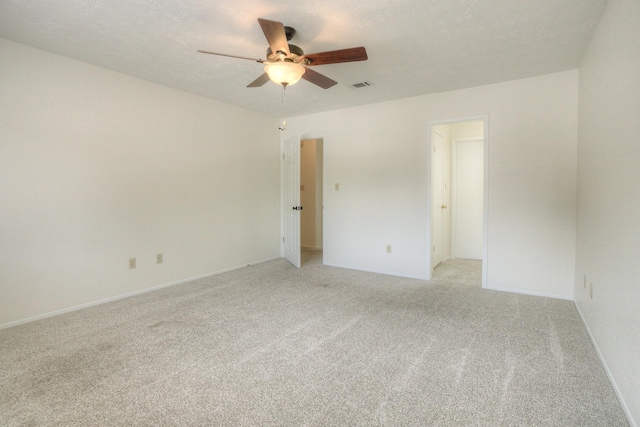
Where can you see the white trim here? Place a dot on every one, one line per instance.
(440, 166)
(128, 294)
(625, 408)
(281, 238)
(485, 225)
(532, 293)
(386, 273)
(485, 219)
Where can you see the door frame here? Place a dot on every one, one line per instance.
(301, 136)
(485, 220)
(435, 239)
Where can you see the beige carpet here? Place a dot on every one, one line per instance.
(270, 345)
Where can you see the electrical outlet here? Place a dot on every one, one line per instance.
(388, 249)
(132, 263)
(159, 259)
(590, 290)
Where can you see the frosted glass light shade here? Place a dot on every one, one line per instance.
(284, 73)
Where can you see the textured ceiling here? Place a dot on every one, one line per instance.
(415, 47)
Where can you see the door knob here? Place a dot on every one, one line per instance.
(444, 206)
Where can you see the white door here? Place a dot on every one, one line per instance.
(291, 200)
(437, 207)
(468, 198)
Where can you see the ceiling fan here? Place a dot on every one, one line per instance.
(286, 64)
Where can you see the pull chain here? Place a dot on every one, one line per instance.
(284, 122)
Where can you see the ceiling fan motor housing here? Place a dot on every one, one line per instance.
(296, 53)
(290, 32)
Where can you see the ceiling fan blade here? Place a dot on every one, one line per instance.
(259, 81)
(274, 32)
(318, 79)
(231, 56)
(337, 56)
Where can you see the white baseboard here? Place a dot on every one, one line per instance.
(387, 273)
(532, 293)
(625, 408)
(127, 295)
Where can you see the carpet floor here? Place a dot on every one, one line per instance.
(272, 345)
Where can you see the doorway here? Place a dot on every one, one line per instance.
(467, 184)
(458, 202)
(311, 221)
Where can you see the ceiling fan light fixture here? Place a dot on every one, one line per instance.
(284, 73)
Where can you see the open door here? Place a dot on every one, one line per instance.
(438, 206)
(291, 200)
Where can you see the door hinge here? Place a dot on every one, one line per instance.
(283, 240)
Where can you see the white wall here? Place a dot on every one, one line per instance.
(608, 233)
(378, 153)
(97, 167)
(472, 129)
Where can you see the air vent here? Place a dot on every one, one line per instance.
(361, 85)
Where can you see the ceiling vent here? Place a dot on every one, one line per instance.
(361, 85)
